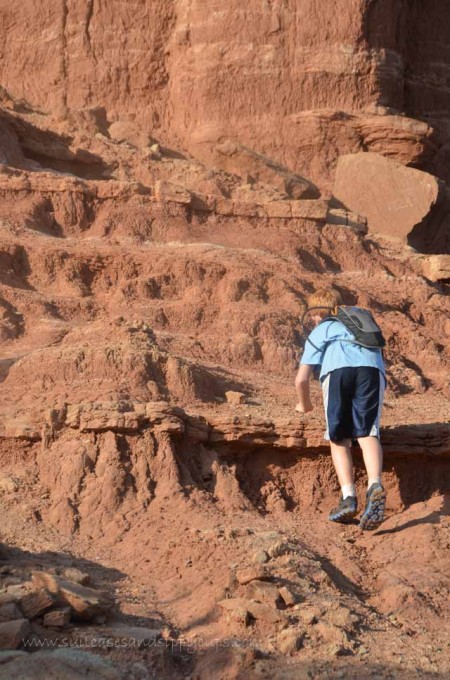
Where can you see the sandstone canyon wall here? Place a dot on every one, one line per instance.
(301, 82)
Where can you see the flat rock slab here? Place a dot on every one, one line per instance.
(60, 664)
(133, 636)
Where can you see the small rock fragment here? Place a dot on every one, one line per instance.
(437, 267)
(126, 131)
(58, 618)
(289, 640)
(263, 591)
(279, 548)
(235, 397)
(260, 557)
(240, 616)
(155, 150)
(342, 617)
(331, 634)
(8, 485)
(337, 650)
(12, 581)
(16, 590)
(76, 575)
(309, 615)
(247, 574)
(418, 384)
(287, 596)
(258, 610)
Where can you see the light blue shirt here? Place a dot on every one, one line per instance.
(333, 355)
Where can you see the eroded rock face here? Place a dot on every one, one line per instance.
(281, 79)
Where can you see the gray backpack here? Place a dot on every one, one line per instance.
(361, 325)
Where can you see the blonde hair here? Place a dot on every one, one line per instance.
(325, 297)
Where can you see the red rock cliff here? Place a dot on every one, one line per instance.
(299, 81)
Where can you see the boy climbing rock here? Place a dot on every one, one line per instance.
(353, 380)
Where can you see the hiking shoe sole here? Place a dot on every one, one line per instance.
(374, 513)
(343, 515)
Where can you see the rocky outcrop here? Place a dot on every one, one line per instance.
(240, 430)
(101, 464)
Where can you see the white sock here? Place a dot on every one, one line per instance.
(373, 480)
(348, 490)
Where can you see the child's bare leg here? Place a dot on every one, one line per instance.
(373, 458)
(343, 464)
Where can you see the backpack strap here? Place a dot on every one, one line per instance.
(310, 309)
(327, 318)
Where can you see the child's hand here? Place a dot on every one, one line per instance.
(304, 408)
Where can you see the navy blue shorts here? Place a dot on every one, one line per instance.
(353, 399)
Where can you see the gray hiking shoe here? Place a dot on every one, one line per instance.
(373, 515)
(345, 511)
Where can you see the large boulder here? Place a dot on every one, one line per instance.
(396, 200)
